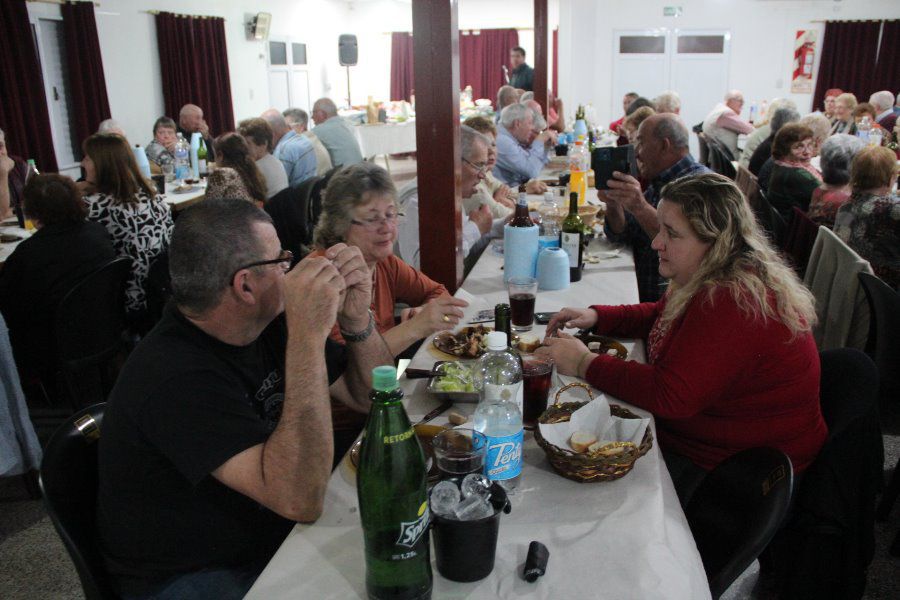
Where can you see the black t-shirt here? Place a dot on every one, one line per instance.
(183, 405)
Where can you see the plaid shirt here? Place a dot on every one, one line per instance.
(651, 285)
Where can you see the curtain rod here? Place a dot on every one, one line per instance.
(849, 20)
(60, 2)
(469, 30)
(159, 12)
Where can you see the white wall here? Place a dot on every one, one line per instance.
(762, 36)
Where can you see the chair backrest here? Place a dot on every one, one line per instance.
(848, 388)
(745, 180)
(288, 212)
(90, 318)
(720, 158)
(737, 510)
(883, 345)
(771, 222)
(799, 239)
(158, 287)
(703, 143)
(69, 483)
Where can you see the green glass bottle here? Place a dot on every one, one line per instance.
(571, 238)
(203, 167)
(393, 504)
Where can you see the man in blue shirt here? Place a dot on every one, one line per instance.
(521, 150)
(294, 151)
(336, 134)
(663, 156)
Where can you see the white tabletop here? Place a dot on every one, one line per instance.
(622, 539)
(7, 248)
(386, 138)
(180, 201)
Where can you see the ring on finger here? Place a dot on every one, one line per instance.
(445, 319)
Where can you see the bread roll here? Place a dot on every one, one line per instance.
(581, 441)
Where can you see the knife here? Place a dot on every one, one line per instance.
(437, 411)
(417, 373)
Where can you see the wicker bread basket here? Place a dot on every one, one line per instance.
(608, 463)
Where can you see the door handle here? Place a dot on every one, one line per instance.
(55, 94)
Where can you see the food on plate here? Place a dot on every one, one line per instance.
(454, 377)
(456, 418)
(468, 342)
(581, 441)
(605, 449)
(528, 343)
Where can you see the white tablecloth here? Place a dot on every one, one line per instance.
(182, 201)
(622, 539)
(386, 138)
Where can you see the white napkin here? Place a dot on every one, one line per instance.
(476, 304)
(595, 418)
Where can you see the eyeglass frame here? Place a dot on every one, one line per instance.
(286, 256)
(480, 170)
(374, 224)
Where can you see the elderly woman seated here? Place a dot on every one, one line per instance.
(821, 128)
(491, 192)
(793, 178)
(843, 114)
(764, 130)
(837, 154)
(731, 362)
(763, 152)
(870, 221)
(360, 209)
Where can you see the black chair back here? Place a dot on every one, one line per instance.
(90, 323)
(771, 222)
(720, 158)
(883, 345)
(704, 146)
(799, 240)
(737, 510)
(69, 483)
(159, 289)
(289, 218)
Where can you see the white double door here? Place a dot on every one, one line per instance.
(692, 62)
(288, 75)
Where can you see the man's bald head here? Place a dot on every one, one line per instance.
(278, 123)
(323, 109)
(662, 140)
(734, 100)
(190, 117)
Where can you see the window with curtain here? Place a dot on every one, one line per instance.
(194, 63)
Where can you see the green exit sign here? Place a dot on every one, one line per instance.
(672, 11)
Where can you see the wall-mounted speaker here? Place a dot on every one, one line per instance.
(348, 50)
(259, 28)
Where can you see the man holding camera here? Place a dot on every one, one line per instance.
(662, 156)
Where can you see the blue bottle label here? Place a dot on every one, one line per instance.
(504, 457)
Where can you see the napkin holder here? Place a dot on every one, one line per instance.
(587, 467)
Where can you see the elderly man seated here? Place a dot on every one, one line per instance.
(336, 134)
(662, 154)
(190, 120)
(724, 122)
(478, 225)
(883, 102)
(506, 95)
(521, 145)
(298, 120)
(217, 437)
(294, 151)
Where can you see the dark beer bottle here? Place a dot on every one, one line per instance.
(393, 504)
(521, 218)
(571, 238)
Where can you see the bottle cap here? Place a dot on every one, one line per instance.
(384, 378)
(496, 340)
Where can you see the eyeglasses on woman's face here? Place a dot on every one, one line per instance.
(376, 222)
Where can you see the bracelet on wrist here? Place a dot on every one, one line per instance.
(360, 336)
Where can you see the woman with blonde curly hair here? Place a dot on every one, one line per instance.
(731, 362)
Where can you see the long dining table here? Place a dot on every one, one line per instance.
(626, 538)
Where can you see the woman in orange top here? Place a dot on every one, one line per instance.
(360, 209)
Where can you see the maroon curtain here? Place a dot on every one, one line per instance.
(481, 59)
(194, 63)
(402, 83)
(87, 84)
(848, 59)
(887, 72)
(555, 62)
(24, 117)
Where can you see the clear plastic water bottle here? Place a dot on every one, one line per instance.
(864, 128)
(549, 212)
(182, 159)
(499, 412)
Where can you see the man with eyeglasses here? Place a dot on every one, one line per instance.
(521, 145)
(479, 227)
(217, 436)
(724, 122)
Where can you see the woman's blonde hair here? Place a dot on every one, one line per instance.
(348, 188)
(872, 167)
(117, 172)
(739, 258)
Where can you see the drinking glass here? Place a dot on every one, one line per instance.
(169, 172)
(458, 452)
(522, 294)
(537, 377)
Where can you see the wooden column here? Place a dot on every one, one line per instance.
(541, 33)
(436, 72)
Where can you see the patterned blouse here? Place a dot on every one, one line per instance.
(871, 226)
(140, 231)
(158, 154)
(825, 203)
(225, 182)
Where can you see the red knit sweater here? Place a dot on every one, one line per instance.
(722, 382)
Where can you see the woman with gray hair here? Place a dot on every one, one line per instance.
(837, 155)
(360, 209)
(763, 152)
(763, 129)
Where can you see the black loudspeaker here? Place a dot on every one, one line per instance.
(348, 50)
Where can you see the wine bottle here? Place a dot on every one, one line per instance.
(571, 238)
